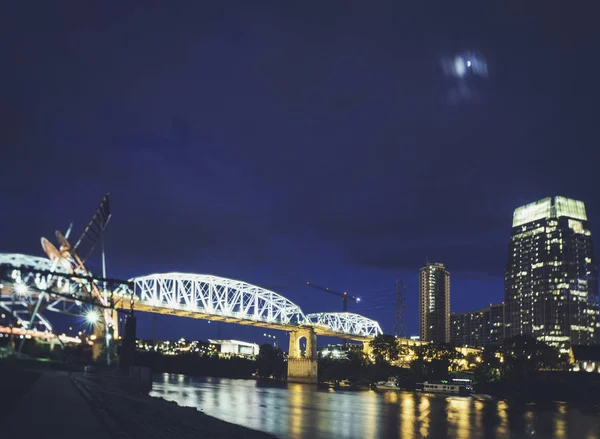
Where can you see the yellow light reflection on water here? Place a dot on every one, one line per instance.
(373, 416)
(407, 415)
(390, 397)
(295, 401)
(502, 428)
(560, 423)
(458, 412)
(424, 413)
(478, 406)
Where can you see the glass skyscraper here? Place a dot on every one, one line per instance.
(434, 303)
(551, 279)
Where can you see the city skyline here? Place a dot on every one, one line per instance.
(279, 147)
(255, 333)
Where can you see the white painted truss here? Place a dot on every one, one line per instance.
(19, 293)
(20, 310)
(216, 296)
(205, 296)
(346, 323)
(18, 260)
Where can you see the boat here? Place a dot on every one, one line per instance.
(446, 387)
(390, 384)
(482, 396)
(345, 383)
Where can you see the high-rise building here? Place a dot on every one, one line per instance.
(551, 279)
(434, 303)
(478, 328)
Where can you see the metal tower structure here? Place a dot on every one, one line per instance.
(399, 328)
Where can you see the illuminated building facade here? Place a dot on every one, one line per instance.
(551, 279)
(235, 348)
(434, 303)
(478, 328)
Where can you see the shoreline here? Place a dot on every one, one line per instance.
(511, 395)
(127, 414)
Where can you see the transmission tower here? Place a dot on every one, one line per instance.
(399, 329)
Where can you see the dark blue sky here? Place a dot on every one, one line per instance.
(276, 144)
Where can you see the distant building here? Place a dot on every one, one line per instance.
(478, 328)
(551, 279)
(434, 303)
(179, 347)
(584, 358)
(228, 348)
(339, 351)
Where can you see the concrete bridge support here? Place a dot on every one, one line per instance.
(368, 349)
(303, 368)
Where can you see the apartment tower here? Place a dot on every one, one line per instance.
(434, 303)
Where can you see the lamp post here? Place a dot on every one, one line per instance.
(97, 320)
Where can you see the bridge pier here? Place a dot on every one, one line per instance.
(367, 348)
(127, 356)
(303, 369)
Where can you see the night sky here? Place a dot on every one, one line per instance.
(278, 144)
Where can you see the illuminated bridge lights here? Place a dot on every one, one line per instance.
(188, 295)
(346, 323)
(214, 296)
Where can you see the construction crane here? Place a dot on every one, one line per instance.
(344, 296)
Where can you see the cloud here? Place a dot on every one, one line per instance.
(282, 147)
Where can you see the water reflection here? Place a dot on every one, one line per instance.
(560, 423)
(298, 411)
(295, 409)
(407, 415)
(458, 412)
(502, 430)
(423, 416)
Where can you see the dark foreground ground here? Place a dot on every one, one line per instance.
(14, 384)
(70, 405)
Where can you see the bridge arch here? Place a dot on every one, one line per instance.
(345, 323)
(216, 296)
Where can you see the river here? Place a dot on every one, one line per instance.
(299, 411)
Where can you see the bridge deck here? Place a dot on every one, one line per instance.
(319, 330)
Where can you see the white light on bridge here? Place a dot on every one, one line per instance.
(21, 289)
(92, 317)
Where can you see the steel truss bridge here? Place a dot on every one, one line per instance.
(27, 279)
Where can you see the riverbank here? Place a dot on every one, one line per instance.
(69, 404)
(140, 416)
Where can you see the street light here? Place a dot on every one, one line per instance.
(92, 317)
(21, 289)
